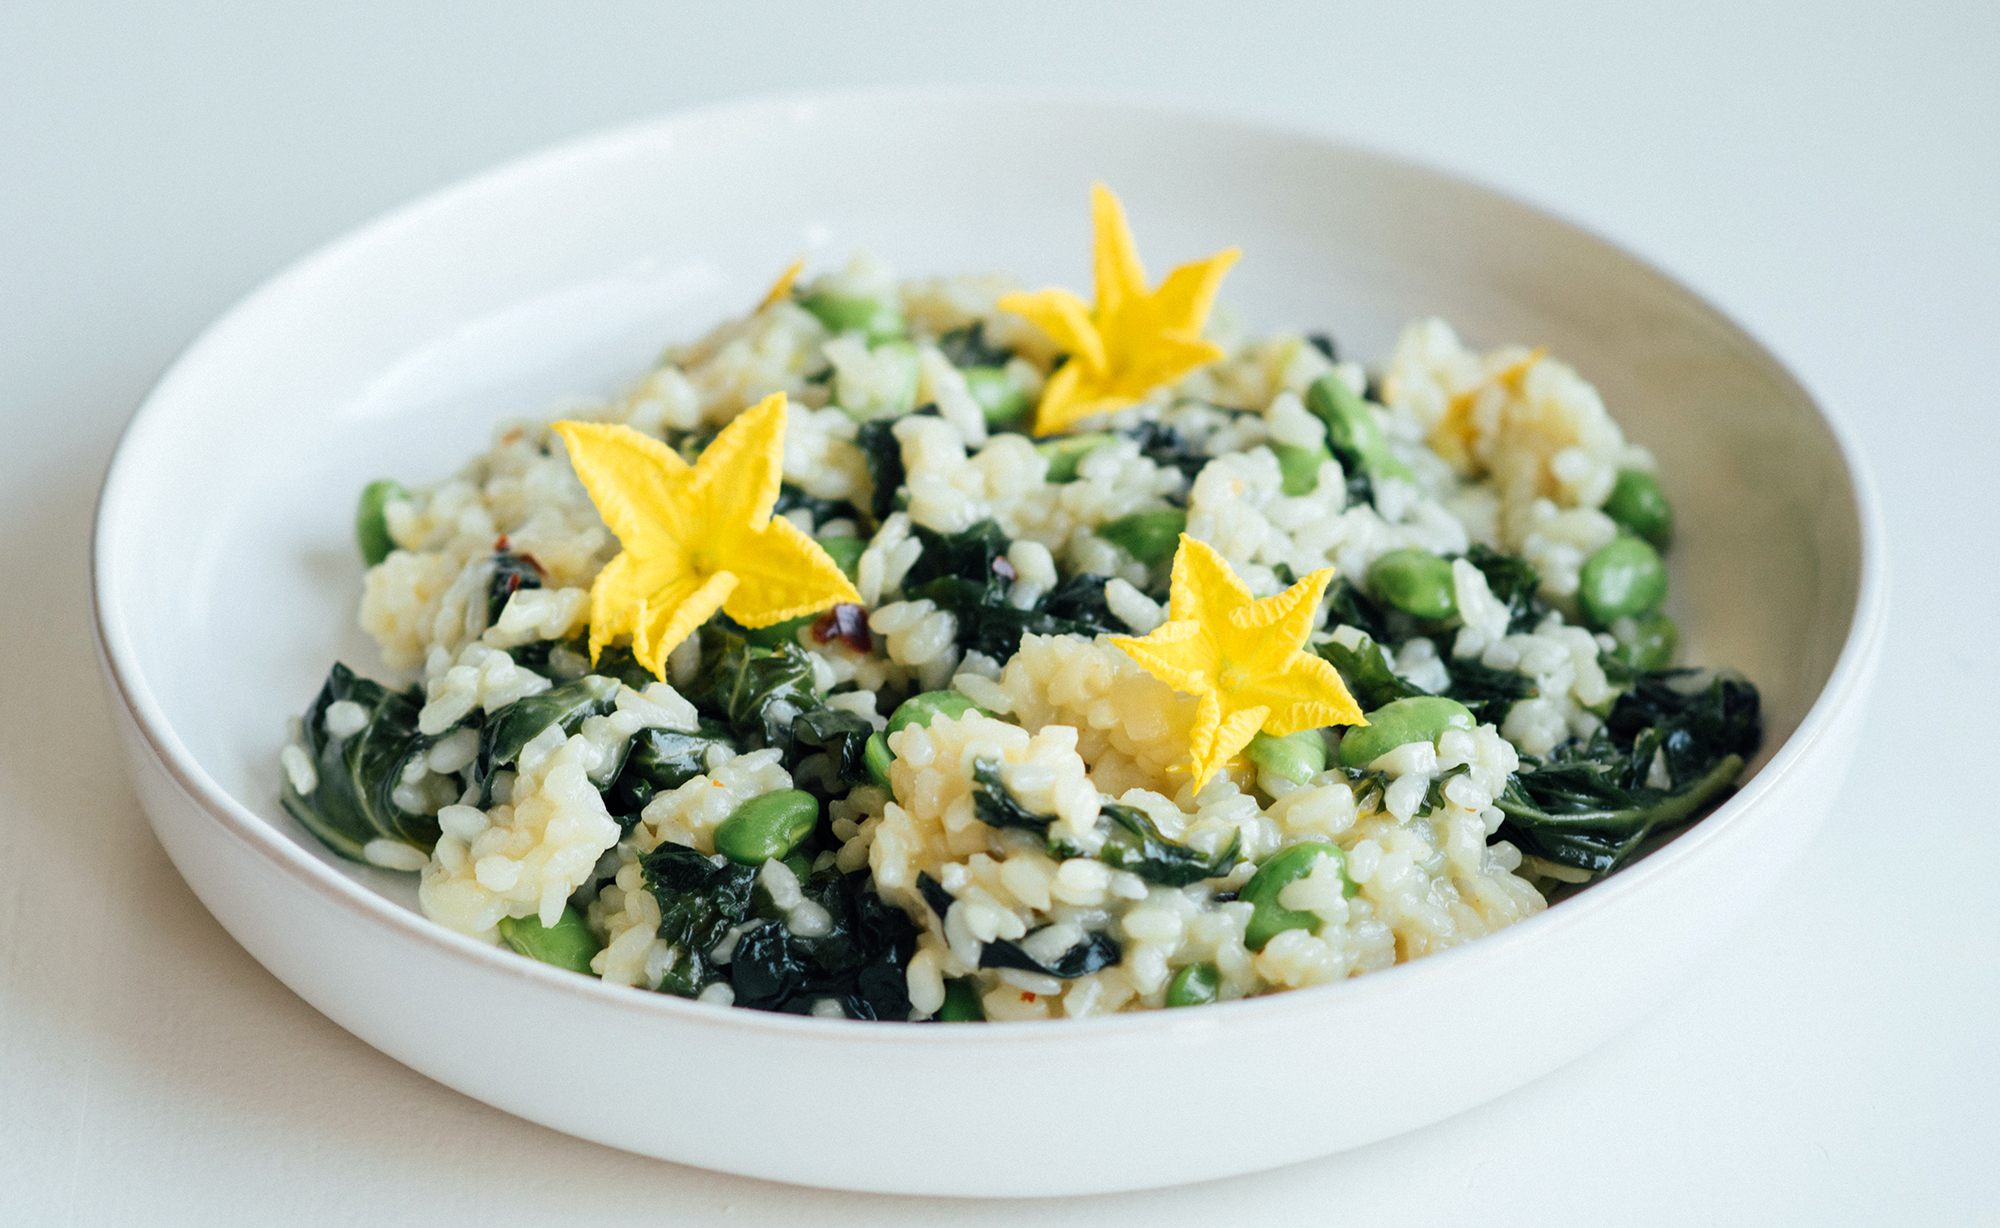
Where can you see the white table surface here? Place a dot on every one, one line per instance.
(1828, 174)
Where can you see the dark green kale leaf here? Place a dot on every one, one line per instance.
(859, 961)
(968, 347)
(969, 555)
(1365, 669)
(1589, 807)
(1080, 600)
(884, 457)
(756, 692)
(511, 573)
(1486, 691)
(660, 761)
(934, 894)
(1515, 582)
(1168, 448)
(967, 574)
(353, 801)
(841, 734)
(1093, 952)
(995, 804)
(1358, 610)
(1134, 843)
(699, 902)
(517, 724)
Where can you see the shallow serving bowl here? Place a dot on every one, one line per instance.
(226, 581)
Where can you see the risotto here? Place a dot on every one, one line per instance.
(905, 716)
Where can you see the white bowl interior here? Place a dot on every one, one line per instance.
(227, 572)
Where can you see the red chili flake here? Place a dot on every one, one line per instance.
(1005, 570)
(1026, 996)
(846, 622)
(500, 545)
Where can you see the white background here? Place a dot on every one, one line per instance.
(1828, 174)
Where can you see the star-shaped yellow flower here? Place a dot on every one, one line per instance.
(699, 537)
(1244, 658)
(1135, 340)
(782, 288)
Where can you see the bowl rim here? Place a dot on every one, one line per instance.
(126, 677)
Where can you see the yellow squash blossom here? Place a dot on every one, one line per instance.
(697, 538)
(1245, 659)
(1134, 340)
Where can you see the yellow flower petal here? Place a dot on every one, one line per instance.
(782, 288)
(1243, 657)
(696, 539)
(1134, 340)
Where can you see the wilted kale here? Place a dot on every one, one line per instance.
(1080, 599)
(756, 692)
(1356, 609)
(841, 734)
(996, 805)
(1168, 448)
(660, 761)
(884, 457)
(1133, 843)
(1514, 582)
(1366, 671)
(354, 800)
(968, 347)
(699, 902)
(859, 962)
(1589, 806)
(961, 572)
(1488, 692)
(1095, 951)
(514, 726)
(511, 573)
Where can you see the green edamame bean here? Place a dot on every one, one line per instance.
(1351, 429)
(1415, 582)
(961, 1002)
(876, 757)
(921, 710)
(767, 826)
(844, 551)
(1300, 466)
(1067, 452)
(566, 944)
(1647, 644)
(1272, 918)
(1151, 537)
(1194, 985)
(1000, 398)
(800, 867)
(846, 313)
(1298, 757)
(1622, 580)
(1420, 718)
(1638, 503)
(786, 632)
(371, 527)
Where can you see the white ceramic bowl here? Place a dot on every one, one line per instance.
(226, 581)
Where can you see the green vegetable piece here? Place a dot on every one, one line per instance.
(1297, 757)
(1650, 645)
(1194, 985)
(1624, 579)
(878, 758)
(1066, 452)
(1421, 718)
(567, 944)
(961, 1002)
(1351, 430)
(843, 313)
(1151, 537)
(920, 710)
(845, 552)
(1416, 582)
(767, 826)
(1002, 400)
(1638, 503)
(1300, 466)
(786, 632)
(1272, 918)
(371, 528)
